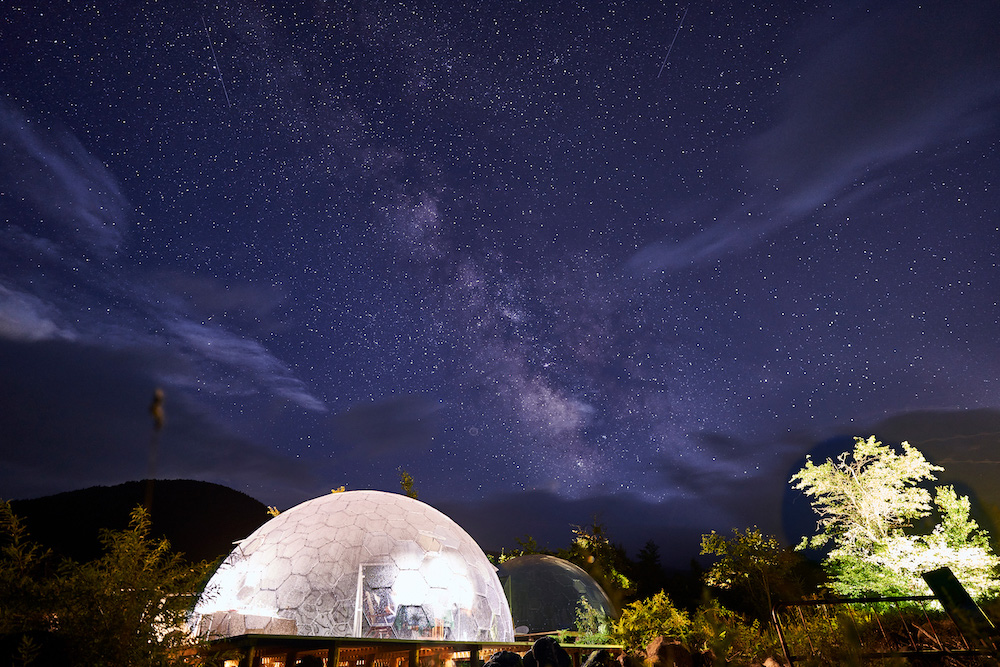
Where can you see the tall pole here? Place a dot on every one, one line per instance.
(156, 410)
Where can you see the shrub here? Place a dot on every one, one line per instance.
(592, 625)
(644, 620)
(730, 636)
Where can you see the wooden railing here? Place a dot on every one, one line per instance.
(862, 629)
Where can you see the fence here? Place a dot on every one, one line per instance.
(855, 630)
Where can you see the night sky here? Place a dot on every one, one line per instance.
(554, 259)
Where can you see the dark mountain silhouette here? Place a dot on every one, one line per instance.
(201, 519)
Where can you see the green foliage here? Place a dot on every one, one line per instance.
(723, 635)
(128, 607)
(500, 558)
(406, 483)
(591, 550)
(527, 545)
(606, 562)
(866, 494)
(754, 564)
(957, 529)
(843, 634)
(24, 588)
(644, 620)
(730, 637)
(828, 638)
(592, 625)
(868, 499)
(28, 650)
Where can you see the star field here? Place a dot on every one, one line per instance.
(552, 259)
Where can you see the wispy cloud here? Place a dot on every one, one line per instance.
(209, 296)
(24, 317)
(237, 352)
(70, 208)
(77, 196)
(730, 234)
(907, 80)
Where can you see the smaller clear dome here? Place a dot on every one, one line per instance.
(544, 592)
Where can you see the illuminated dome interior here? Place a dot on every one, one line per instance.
(357, 564)
(544, 592)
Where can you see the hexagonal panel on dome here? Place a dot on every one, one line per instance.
(406, 554)
(377, 543)
(276, 575)
(416, 573)
(544, 592)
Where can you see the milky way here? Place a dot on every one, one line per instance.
(510, 248)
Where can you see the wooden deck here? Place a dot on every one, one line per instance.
(286, 650)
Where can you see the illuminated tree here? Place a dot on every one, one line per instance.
(644, 620)
(753, 563)
(867, 501)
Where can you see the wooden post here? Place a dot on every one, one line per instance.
(961, 608)
(250, 658)
(413, 659)
(333, 656)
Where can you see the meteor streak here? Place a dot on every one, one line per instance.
(223, 82)
(670, 48)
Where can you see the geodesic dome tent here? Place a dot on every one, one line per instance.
(544, 592)
(357, 564)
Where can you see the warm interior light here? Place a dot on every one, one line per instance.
(356, 564)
